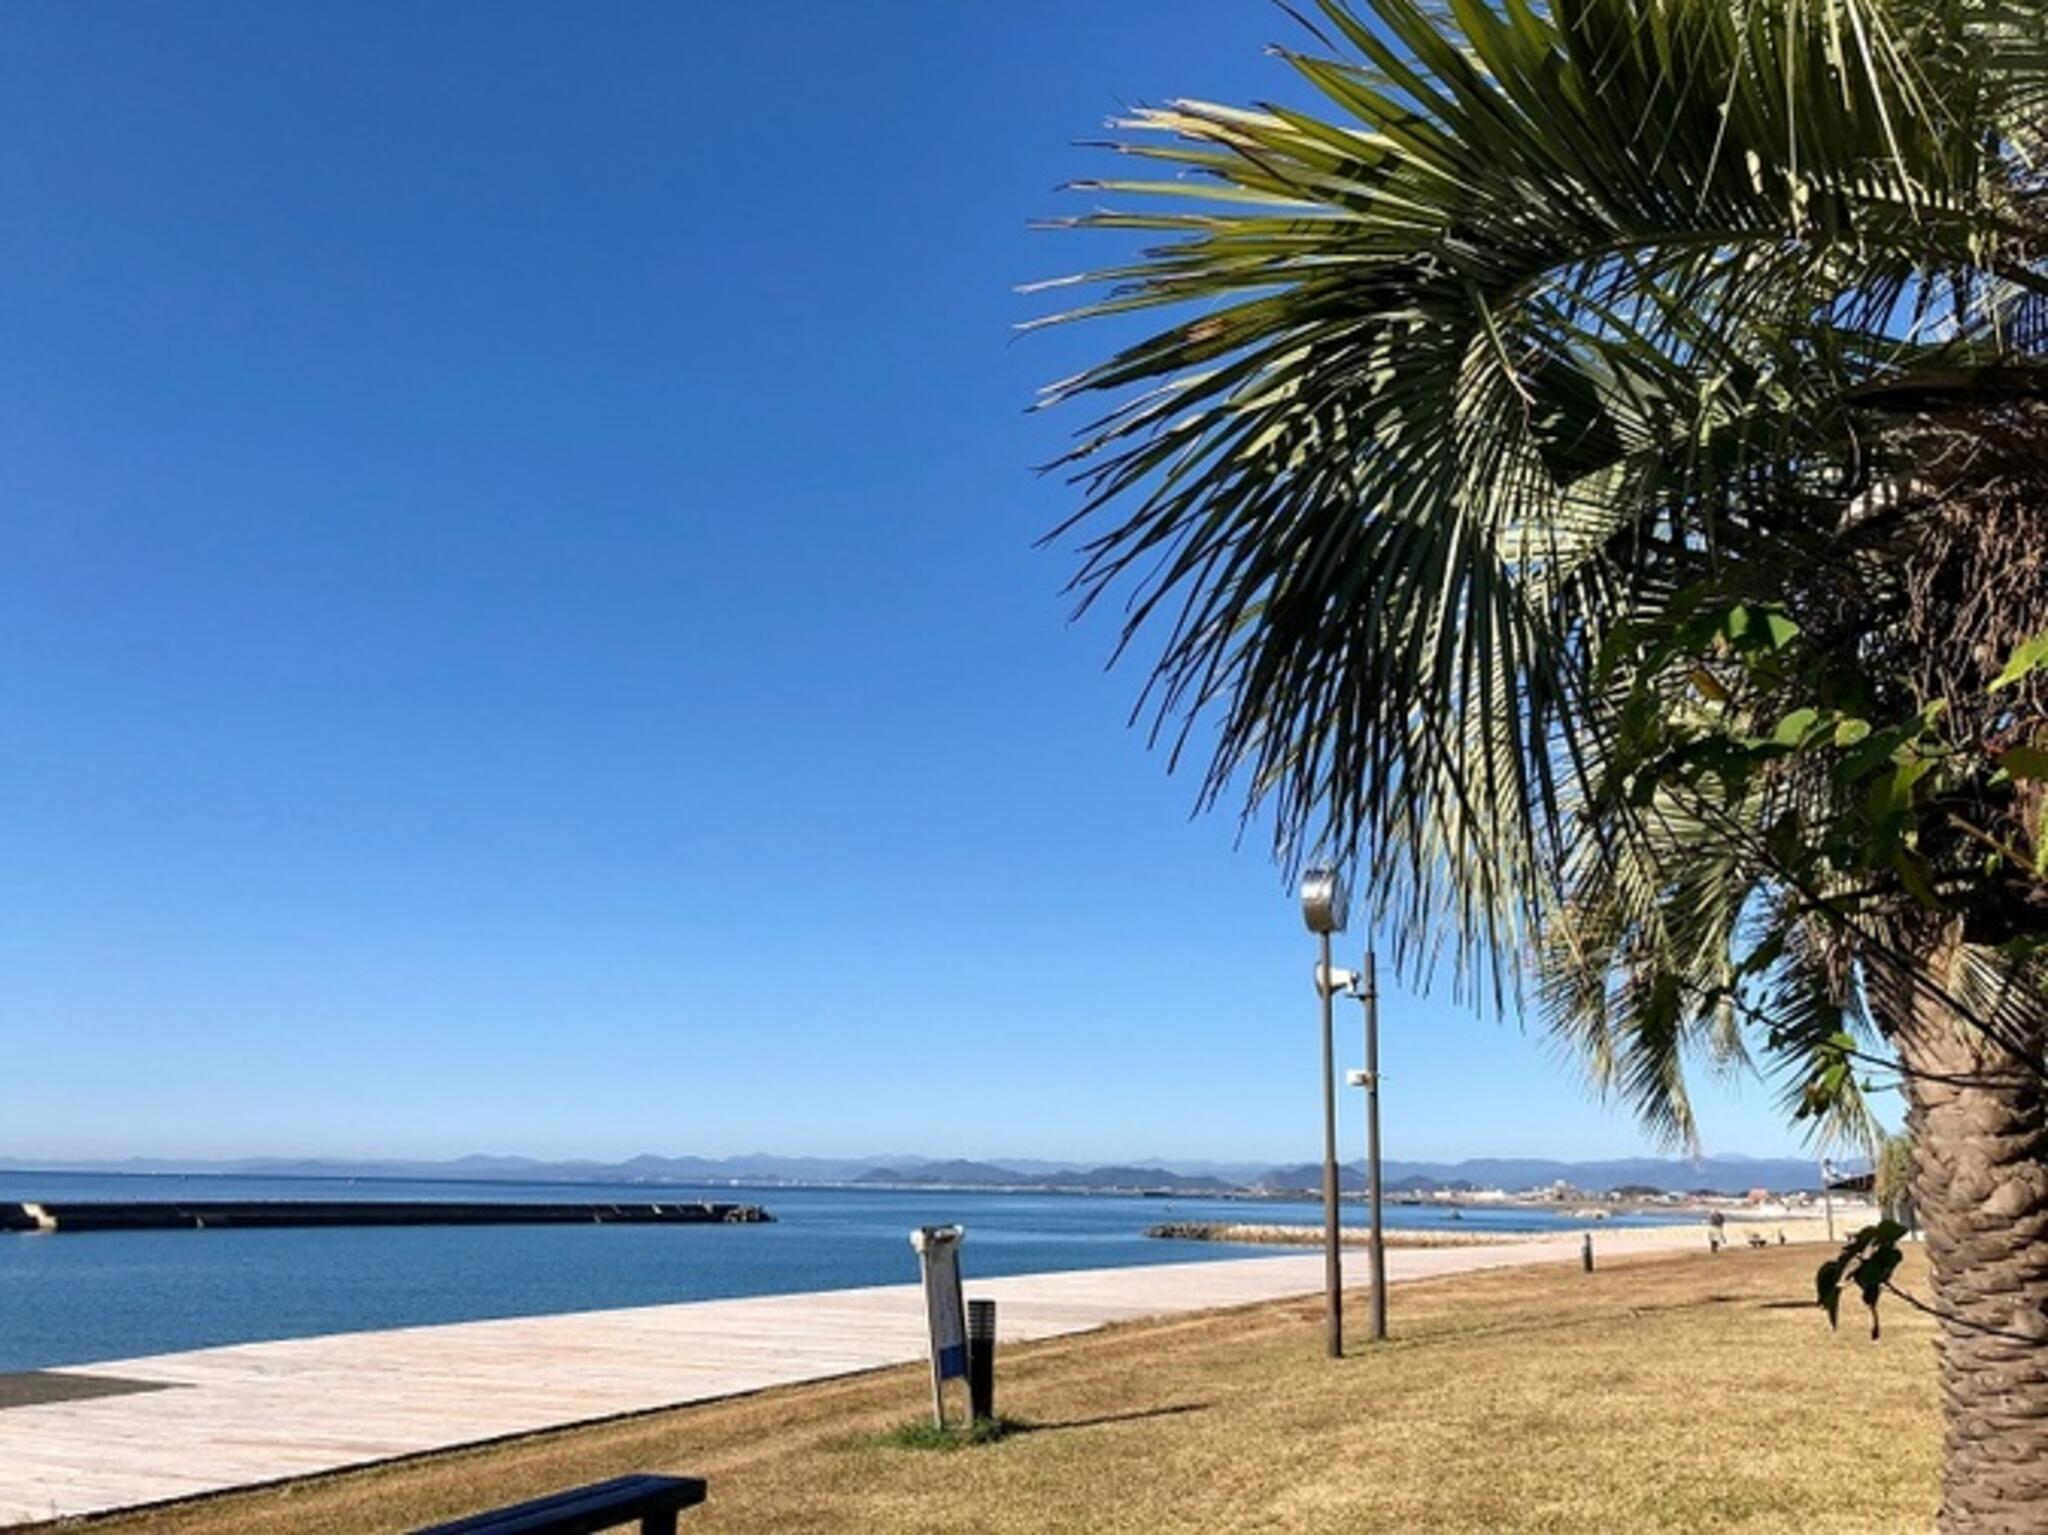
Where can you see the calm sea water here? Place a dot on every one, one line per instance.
(83, 1296)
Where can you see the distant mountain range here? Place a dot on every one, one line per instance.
(990, 1175)
(1720, 1174)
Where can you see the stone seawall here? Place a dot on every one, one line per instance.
(192, 1215)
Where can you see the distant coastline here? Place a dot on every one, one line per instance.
(1410, 1181)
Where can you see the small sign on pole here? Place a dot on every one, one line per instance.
(938, 1248)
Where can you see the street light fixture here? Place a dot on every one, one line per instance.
(1325, 904)
(1325, 908)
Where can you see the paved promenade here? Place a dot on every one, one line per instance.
(175, 1425)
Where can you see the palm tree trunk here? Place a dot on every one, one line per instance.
(1978, 1122)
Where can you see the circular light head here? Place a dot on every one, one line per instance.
(1324, 903)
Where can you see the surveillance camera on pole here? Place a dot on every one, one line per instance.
(1368, 994)
(1325, 909)
(1364, 986)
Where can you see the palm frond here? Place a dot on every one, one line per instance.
(1532, 318)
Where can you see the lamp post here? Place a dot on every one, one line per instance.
(1323, 908)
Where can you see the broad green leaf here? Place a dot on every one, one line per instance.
(2025, 761)
(1779, 630)
(1918, 877)
(1795, 727)
(2028, 658)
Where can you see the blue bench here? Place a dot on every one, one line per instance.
(653, 1500)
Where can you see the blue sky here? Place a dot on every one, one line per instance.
(519, 622)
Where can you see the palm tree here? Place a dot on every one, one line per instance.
(1598, 472)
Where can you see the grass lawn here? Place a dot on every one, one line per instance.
(1682, 1394)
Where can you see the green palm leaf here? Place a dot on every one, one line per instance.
(1543, 315)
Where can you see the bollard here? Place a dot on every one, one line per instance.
(981, 1360)
(1586, 1252)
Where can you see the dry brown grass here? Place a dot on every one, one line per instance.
(1675, 1394)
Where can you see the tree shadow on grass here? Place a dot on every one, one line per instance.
(922, 1434)
(1175, 1410)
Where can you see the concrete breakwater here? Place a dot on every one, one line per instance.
(191, 1215)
